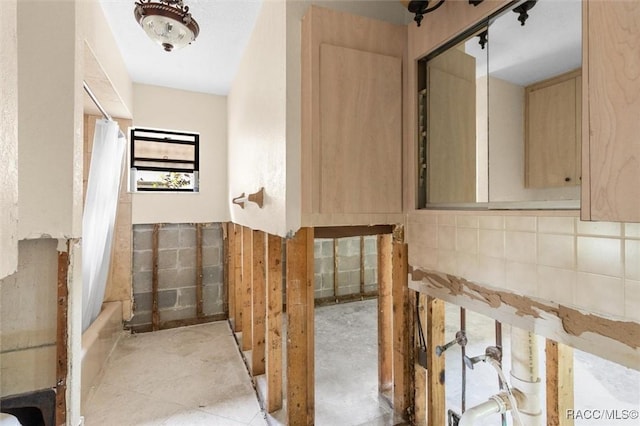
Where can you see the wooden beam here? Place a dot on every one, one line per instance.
(237, 277)
(385, 317)
(199, 293)
(351, 231)
(436, 408)
(247, 278)
(165, 325)
(274, 325)
(421, 411)
(403, 331)
(559, 367)
(155, 315)
(361, 265)
(225, 269)
(62, 338)
(230, 266)
(300, 334)
(326, 301)
(258, 296)
(336, 281)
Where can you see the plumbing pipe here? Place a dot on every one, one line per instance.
(525, 376)
(496, 404)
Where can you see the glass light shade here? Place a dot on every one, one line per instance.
(167, 32)
(167, 22)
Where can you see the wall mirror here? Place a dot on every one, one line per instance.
(500, 112)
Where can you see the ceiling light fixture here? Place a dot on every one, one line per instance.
(167, 22)
(421, 7)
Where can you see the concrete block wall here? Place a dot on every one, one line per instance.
(176, 271)
(348, 267)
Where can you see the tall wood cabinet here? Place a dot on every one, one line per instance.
(352, 74)
(611, 121)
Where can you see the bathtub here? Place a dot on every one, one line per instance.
(97, 343)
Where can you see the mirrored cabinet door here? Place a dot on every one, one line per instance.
(500, 112)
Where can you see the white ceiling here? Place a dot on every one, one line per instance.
(208, 65)
(547, 45)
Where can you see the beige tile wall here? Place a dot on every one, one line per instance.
(594, 266)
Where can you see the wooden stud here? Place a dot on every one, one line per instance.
(385, 317)
(336, 281)
(403, 376)
(230, 275)
(421, 411)
(436, 409)
(225, 269)
(199, 292)
(351, 231)
(62, 338)
(155, 315)
(361, 265)
(258, 295)
(247, 278)
(559, 367)
(300, 334)
(237, 278)
(274, 324)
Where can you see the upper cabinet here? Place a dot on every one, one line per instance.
(611, 129)
(352, 73)
(553, 111)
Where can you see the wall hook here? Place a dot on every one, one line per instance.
(240, 200)
(256, 197)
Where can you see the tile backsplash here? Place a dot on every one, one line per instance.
(593, 266)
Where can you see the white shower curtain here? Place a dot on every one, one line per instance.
(99, 215)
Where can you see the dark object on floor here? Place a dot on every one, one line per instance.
(32, 408)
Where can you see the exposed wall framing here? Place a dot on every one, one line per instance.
(385, 317)
(262, 304)
(274, 324)
(559, 365)
(403, 333)
(258, 301)
(247, 265)
(435, 364)
(62, 337)
(300, 334)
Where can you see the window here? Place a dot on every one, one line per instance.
(164, 160)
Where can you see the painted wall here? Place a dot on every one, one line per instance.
(49, 123)
(257, 125)
(171, 109)
(8, 138)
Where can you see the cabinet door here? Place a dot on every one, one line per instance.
(360, 131)
(611, 146)
(551, 137)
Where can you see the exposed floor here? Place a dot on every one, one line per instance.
(184, 376)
